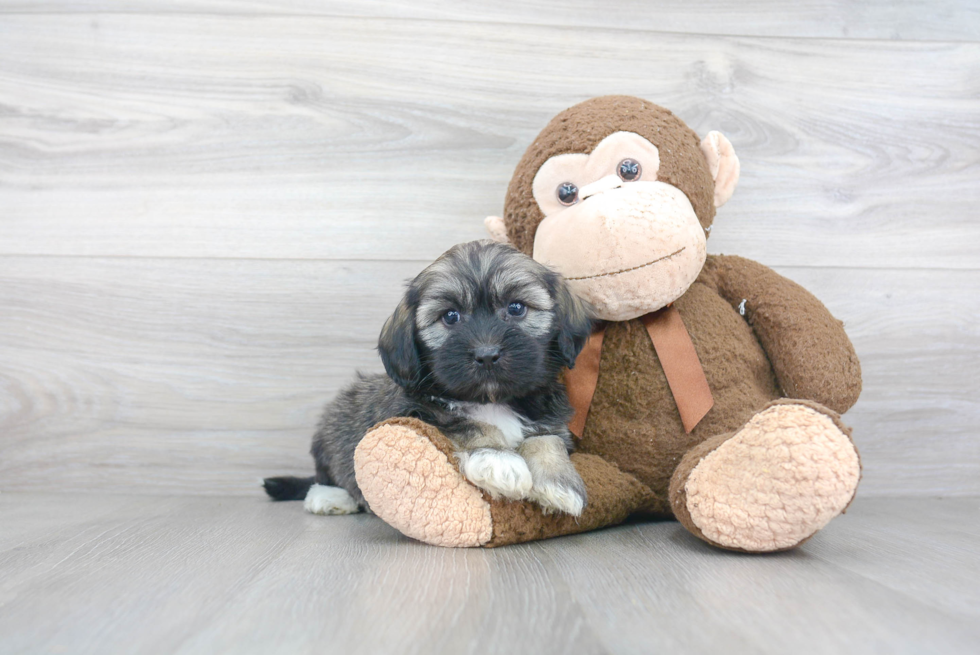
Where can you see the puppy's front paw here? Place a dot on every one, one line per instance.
(566, 494)
(500, 472)
(557, 486)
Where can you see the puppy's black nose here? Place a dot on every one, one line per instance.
(486, 356)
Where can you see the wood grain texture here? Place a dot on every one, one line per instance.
(94, 574)
(178, 375)
(869, 19)
(745, 602)
(307, 137)
(199, 376)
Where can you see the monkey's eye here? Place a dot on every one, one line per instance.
(567, 193)
(517, 309)
(451, 317)
(629, 170)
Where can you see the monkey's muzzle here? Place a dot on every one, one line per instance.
(628, 250)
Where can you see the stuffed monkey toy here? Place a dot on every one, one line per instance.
(711, 389)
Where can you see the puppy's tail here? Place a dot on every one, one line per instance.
(287, 488)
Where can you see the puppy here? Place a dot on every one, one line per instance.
(475, 349)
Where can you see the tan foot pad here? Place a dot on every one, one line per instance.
(776, 482)
(413, 486)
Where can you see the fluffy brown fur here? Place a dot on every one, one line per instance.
(643, 434)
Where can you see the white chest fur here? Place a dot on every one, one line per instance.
(502, 416)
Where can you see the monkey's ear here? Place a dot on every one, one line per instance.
(397, 348)
(575, 322)
(723, 164)
(496, 228)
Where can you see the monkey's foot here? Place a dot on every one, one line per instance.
(771, 485)
(408, 474)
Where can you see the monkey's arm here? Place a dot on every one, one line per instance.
(810, 353)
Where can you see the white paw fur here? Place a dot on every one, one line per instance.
(557, 486)
(324, 500)
(500, 472)
(555, 497)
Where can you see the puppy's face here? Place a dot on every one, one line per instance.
(483, 323)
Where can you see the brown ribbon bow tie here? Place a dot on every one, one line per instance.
(677, 356)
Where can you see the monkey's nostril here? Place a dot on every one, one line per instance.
(486, 356)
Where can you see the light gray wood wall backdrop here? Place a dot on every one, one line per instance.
(207, 207)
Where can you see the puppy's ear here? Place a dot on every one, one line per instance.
(399, 354)
(575, 322)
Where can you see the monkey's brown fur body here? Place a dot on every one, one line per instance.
(646, 439)
(766, 467)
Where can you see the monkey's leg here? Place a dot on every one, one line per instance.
(410, 478)
(770, 485)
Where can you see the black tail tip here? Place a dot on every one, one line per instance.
(287, 488)
(273, 487)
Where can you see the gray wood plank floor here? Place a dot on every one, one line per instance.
(143, 574)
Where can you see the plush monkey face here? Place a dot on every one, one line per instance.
(618, 195)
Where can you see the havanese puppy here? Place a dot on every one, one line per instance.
(475, 349)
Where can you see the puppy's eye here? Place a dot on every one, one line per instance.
(629, 170)
(451, 317)
(517, 309)
(567, 193)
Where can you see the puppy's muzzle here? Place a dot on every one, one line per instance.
(486, 356)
